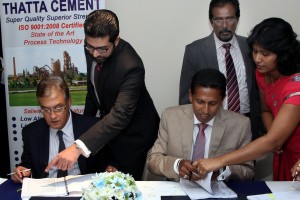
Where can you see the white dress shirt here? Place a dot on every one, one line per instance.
(240, 70)
(68, 138)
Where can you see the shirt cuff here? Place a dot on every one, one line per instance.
(224, 174)
(176, 165)
(84, 150)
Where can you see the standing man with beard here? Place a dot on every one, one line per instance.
(116, 90)
(210, 52)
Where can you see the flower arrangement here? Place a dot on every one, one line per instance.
(112, 185)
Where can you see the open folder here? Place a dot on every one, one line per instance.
(52, 187)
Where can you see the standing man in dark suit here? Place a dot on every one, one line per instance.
(40, 138)
(171, 155)
(116, 89)
(209, 52)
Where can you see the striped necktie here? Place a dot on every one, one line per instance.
(232, 84)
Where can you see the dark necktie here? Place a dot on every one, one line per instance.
(232, 84)
(61, 147)
(199, 147)
(96, 73)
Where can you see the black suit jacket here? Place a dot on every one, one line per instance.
(202, 54)
(36, 144)
(129, 123)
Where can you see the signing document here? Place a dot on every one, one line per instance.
(50, 187)
(205, 188)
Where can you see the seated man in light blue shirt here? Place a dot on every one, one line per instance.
(40, 138)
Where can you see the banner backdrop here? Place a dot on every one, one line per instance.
(39, 38)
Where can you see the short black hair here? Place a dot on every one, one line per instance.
(209, 78)
(221, 3)
(101, 23)
(277, 36)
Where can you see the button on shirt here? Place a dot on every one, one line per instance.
(239, 68)
(68, 137)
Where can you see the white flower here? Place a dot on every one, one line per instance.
(112, 185)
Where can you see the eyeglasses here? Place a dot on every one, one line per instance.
(55, 110)
(220, 21)
(98, 49)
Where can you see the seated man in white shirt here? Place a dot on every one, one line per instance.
(174, 150)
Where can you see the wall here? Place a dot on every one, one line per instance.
(160, 29)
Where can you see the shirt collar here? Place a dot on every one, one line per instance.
(66, 127)
(210, 122)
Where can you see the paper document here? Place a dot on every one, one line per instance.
(206, 183)
(2, 180)
(153, 190)
(51, 187)
(206, 189)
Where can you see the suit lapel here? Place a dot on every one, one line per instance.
(43, 144)
(102, 76)
(90, 59)
(247, 60)
(210, 52)
(217, 133)
(188, 126)
(77, 132)
(76, 125)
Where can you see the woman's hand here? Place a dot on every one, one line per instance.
(204, 166)
(296, 171)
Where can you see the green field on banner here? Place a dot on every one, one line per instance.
(28, 98)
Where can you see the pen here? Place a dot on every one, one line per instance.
(196, 174)
(25, 170)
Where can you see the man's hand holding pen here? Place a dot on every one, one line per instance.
(187, 171)
(19, 173)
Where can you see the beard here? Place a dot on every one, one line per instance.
(225, 35)
(101, 59)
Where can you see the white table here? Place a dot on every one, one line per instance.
(153, 190)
